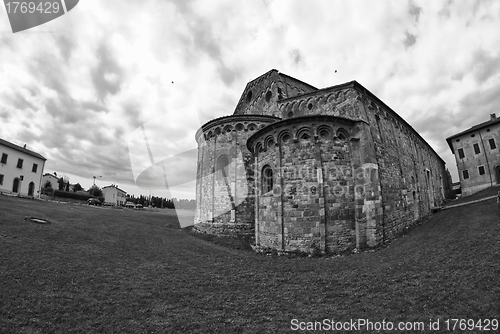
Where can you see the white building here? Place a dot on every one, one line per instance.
(113, 194)
(477, 152)
(52, 179)
(20, 170)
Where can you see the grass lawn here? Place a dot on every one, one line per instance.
(488, 192)
(105, 270)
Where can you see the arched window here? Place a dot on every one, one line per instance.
(268, 96)
(342, 134)
(249, 96)
(222, 166)
(267, 179)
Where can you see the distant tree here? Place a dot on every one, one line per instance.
(47, 184)
(67, 186)
(77, 187)
(95, 191)
(61, 183)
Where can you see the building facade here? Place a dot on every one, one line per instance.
(20, 170)
(53, 179)
(477, 153)
(309, 169)
(114, 195)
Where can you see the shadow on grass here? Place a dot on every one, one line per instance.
(236, 242)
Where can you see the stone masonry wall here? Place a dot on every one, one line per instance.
(225, 203)
(311, 206)
(261, 95)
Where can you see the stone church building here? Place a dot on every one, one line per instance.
(310, 169)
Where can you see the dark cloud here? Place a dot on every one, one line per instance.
(480, 104)
(414, 10)
(20, 103)
(46, 70)
(484, 65)
(228, 75)
(296, 56)
(445, 11)
(107, 76)
(410, 40)
(184, 6)
(4, 114)
(132, 112)
(65, 110)
(89, 105)
(26, 135)
(65, 44)
(200, 40)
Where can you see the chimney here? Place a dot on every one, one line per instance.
(493, 117)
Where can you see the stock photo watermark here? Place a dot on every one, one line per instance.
(24, 15)
(354, 325)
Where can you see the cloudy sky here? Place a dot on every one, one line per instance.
(114, 87)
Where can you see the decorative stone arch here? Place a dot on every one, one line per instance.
(310, 103)
(248, 97)
(269, 142)
(285, 136)
(228, 128)
(304, 133)
(330, 98)
(300, 106)
(343, 134)
(239, 127)
(269, 96)
(324, 132)
(258, 147)
(252, 127)
(217, 131)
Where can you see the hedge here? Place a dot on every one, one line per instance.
(73, 195)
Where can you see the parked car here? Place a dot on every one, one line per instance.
(130, 205)
(94, 201)
(139, 206)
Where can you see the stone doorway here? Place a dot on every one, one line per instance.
(497, 173)
(15, 186)
(31, 189)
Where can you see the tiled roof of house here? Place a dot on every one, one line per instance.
(472, 129)
(20, 149)
(113, 186)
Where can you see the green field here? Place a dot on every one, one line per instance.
(105, 270)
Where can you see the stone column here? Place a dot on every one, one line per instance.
(279, 197)
(321, 193)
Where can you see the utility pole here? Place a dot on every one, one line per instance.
(93, 186)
